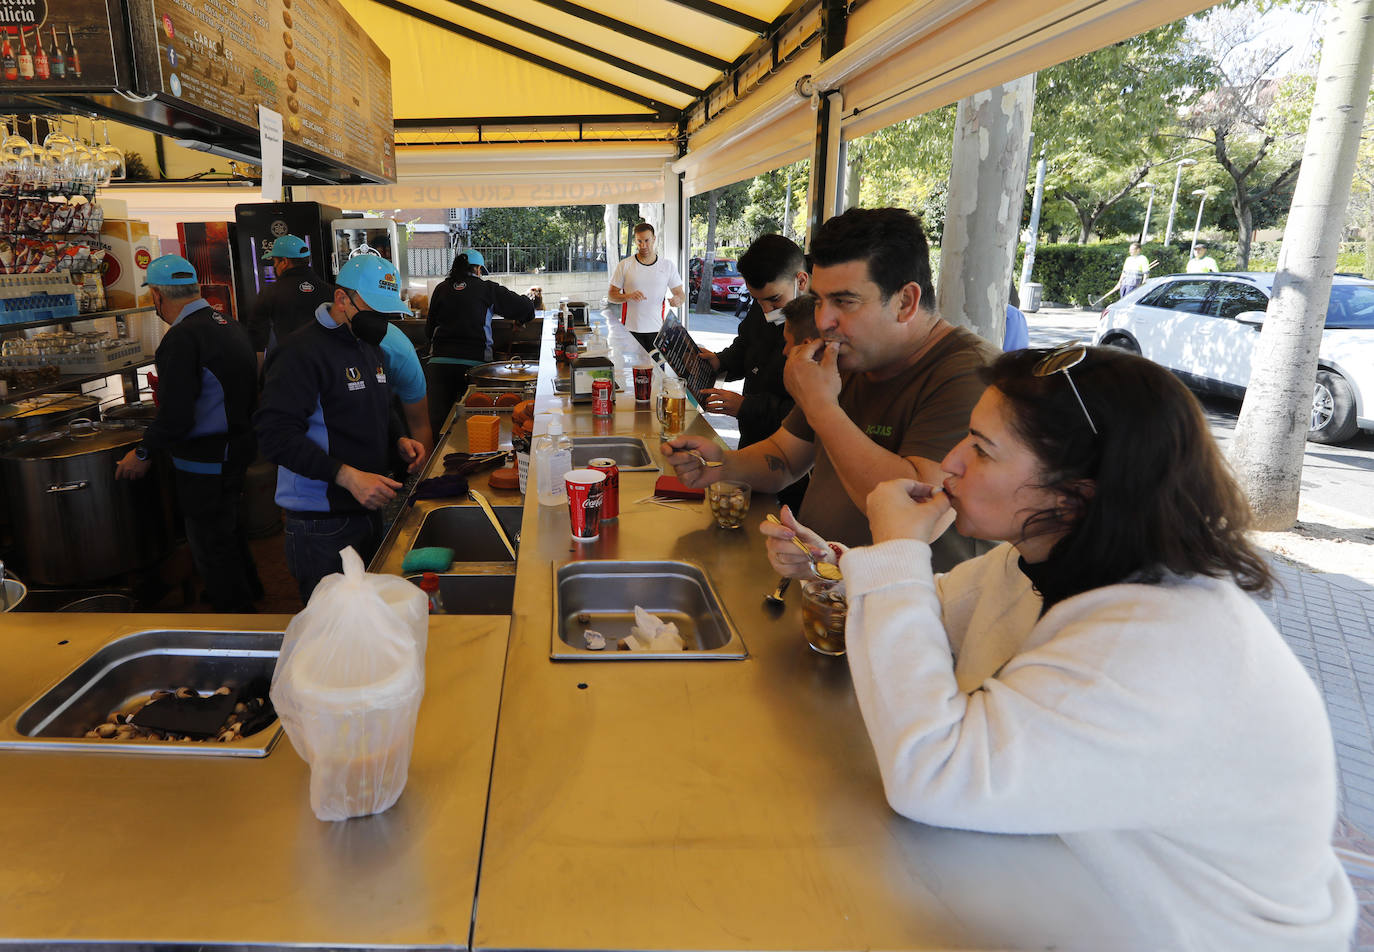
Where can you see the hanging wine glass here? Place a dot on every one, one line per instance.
(113, 157)
(15, 152)
(57, 136)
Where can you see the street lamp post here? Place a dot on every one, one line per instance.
(1173, 202)
(1198, 224)
(1149, 206)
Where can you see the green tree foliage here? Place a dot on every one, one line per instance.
(1104, 118)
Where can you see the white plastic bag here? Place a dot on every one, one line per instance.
(348, 686)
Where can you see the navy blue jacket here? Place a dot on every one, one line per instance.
(207, 388)
(460, 313)
(286, 305)
(326, 402)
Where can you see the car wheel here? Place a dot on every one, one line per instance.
(1333, 409)
(1121, 342)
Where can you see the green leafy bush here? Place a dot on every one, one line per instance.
(1081, 274)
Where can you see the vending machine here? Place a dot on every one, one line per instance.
(261, 223)
(209, 246)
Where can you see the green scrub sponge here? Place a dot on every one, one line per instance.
(434, 558)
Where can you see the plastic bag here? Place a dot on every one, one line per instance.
(348, 686)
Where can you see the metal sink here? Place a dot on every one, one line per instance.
(128, 670)
(469, 533)
(478, 594)
(629, 452)
(602, 595)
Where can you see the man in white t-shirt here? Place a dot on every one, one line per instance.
(644, 285)
(1134, 271)
(1201, 262)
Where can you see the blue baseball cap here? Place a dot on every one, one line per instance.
(287, 246)
(475, 258)
(375, 280)
(170, 269)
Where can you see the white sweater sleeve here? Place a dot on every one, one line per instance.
(1106, 719)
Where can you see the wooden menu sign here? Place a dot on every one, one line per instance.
(62, 46)
(306, 59)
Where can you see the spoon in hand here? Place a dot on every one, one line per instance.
(826, 570)
(707, 463)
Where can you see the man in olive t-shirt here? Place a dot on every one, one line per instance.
(885, 393)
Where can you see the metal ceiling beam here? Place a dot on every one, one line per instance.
(635, 33)
(719, 12)
(630, 67)
(662, 110)
(448, 121)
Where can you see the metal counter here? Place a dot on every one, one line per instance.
(726, 805)
(118, 848)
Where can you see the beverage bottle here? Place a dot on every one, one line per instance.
(59, 66)
(40, 56)
(551, 458)
(8, 63)
(429, 584)
(25, 57)
(73, 61)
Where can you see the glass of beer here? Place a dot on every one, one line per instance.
(672, 407)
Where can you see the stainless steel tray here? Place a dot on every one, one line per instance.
(128, 670)
(605, 593)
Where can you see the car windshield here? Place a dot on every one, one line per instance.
(726, 269)
(1352, 306)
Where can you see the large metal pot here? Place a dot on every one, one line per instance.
(73, 521)
(45, 413)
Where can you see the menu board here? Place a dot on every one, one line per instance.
(306, 59)
(61, 46)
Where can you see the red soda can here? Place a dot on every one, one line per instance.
(584, 502)
(610, 494)
(602, 391)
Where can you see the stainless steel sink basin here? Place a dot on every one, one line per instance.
(629, 452)
(127, 671)
(602, 595)
(478, 594)
(469, 533)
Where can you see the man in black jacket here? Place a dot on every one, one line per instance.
(207, 386)
(288, 303)
(774, 270)
(326, 421)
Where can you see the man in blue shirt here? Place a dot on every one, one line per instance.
(207, 387)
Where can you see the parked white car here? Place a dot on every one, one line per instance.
(1203, 327)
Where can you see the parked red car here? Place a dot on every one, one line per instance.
(727, 287)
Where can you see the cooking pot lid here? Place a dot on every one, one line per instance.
(80, 438)
(47, 404)
(514, 370)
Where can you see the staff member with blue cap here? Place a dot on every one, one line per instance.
(288, 303)
(207, 386)
(459, 328)
(326, 421)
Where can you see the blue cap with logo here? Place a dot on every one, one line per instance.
(170, 269)
(475, 258)
(287, 246)
(375, 280)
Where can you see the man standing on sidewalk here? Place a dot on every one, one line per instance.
(207, 386)
(644, 285)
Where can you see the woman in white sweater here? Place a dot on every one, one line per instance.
(1104, 675)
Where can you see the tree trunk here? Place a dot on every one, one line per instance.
(652, 212)
(1368, 271)
(987, 186)
(610, 222)
(1245, 226)
(854, 181)
(708, 257)
(1267, 453)
(787, 206)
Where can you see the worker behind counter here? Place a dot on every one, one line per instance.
(326, 421)
(459, 328)
(207, 387)
(288, 303)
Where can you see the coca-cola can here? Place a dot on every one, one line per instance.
(585, 489)
(610, 495)
(602, 396)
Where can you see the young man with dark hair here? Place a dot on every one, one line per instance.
(644, 285)
(883, 394)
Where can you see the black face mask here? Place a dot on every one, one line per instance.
(369, 326)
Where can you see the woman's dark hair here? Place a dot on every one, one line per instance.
(1149, 494)
(461, 267)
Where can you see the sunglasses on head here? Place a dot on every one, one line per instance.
(1061, 359)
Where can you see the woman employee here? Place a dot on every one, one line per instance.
(1105, 675)
(459, 329)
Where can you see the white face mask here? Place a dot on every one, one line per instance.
(775, 316)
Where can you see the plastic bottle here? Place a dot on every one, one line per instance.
(429, 584)
(551, 457)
